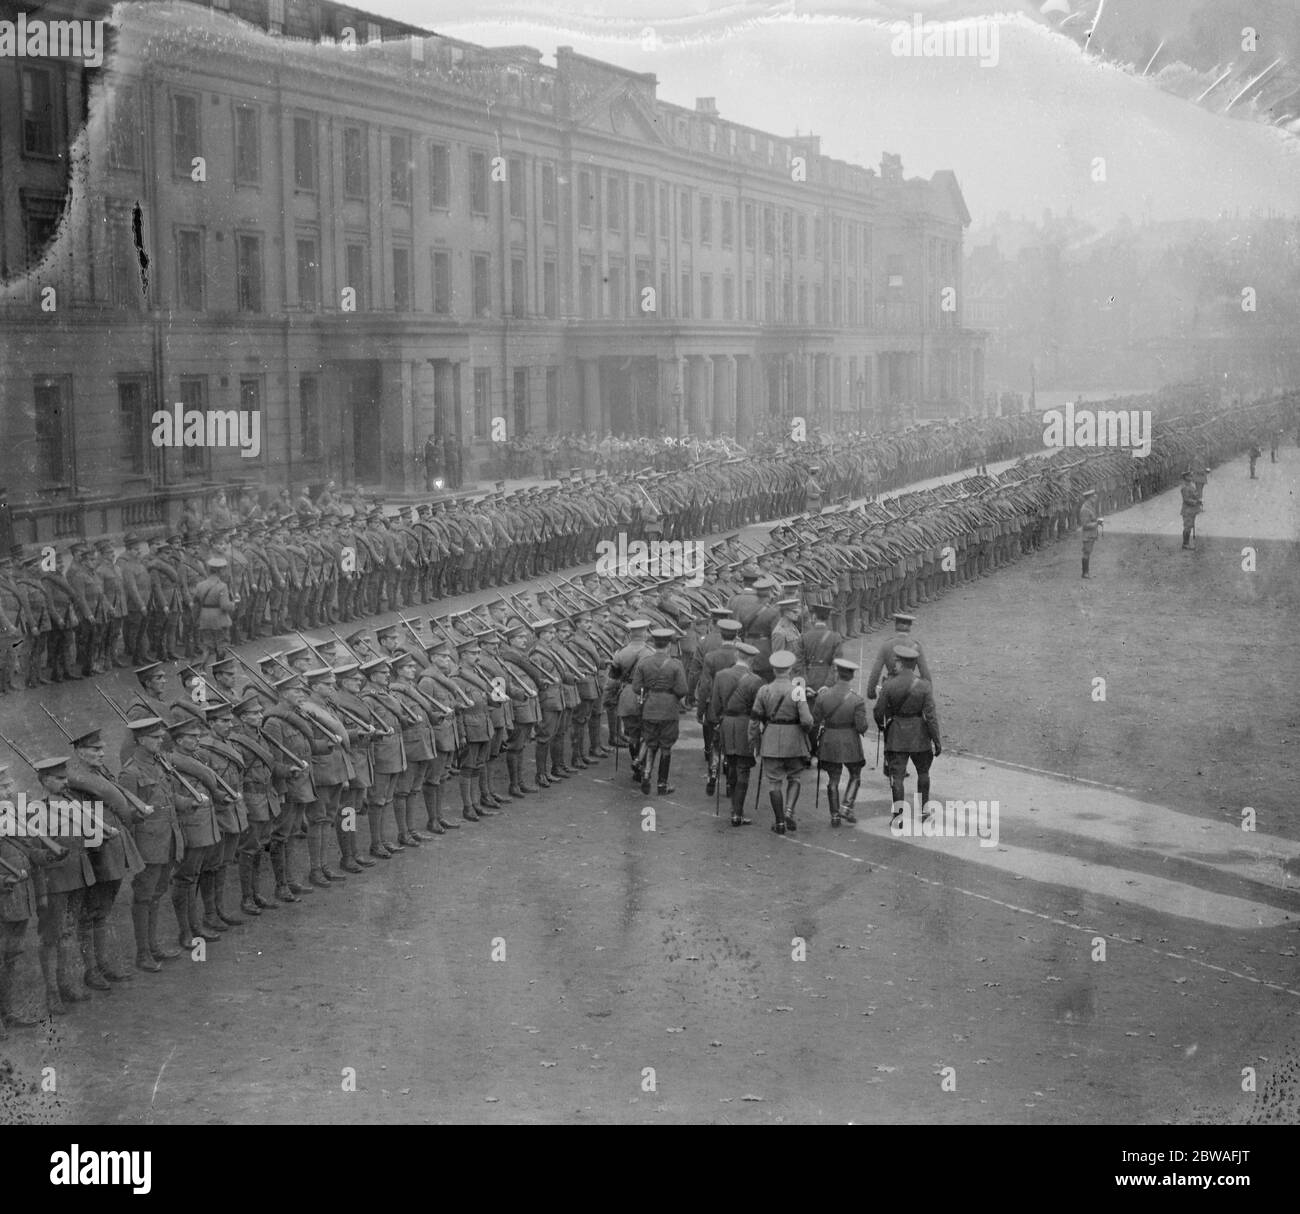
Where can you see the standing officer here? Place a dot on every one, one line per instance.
(1089, 524)
(18, 905)
(907, 716)
(887, 657)
(110, 578)
(842, 714)
(66, 882)
(287, 726)
(1191, 506)
(89, 589)
(781, 718)
(158, 837)
(115, 859)
(659, 682)
(265, 768)
(731, 700)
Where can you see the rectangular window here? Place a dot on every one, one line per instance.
(401, 279)
(439, 176)
(803, 304)
(836, 228)
(644, 285)
(819, 238)
(552, 399)
(248, 145)
(851, 241)
(518, 296)
(41, 216)
(550, 206)
(819, 305)
(641, 208)
(399, 169)
(550, 289)
(749, 225)
(354, 256)
(684, 216)
(587, 289)
(124, 266)
(749, 299)
(684, 304)
(706, 219)
(894, 270)
(248, 272)
(185, 132)
(728, 223)
(354, 162)
(662, 301)
(442, 282)
(663, 221)
(728, 298)
(515, 172)
(586, 200)
(837, 304)
(787, 231)
(801, 230)
(308, 273)
(617, 296)
(133, 426)
(304, 153)
(851, 301)
(53, 404)
(769, 301)
(124, 137)
(482, 401)
(482, 294)
(787, 302)
(189, 269)
(706, 296)
(478, 182)
(769, 230)
(41, 126)
(194, 395)
(250, 401)
(866, 245)
(614, 204)
(309, 422)
(519, 400)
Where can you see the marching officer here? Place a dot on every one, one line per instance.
(887, 657)
(905, 713)
(1089, 525)
(659, 682)
(779, 723)
(842, 715)
(731, 700)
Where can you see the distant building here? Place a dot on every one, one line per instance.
(370, 243)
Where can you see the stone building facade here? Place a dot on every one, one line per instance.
(368, 237)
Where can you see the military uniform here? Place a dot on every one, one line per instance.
(906, 714)
(781, 719)
(841, 715)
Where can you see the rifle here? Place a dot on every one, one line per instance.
(294, 760)
(56, 849)
(137, 804)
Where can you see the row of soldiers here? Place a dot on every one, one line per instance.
(246, 766)
(227, 767)
(75, 611)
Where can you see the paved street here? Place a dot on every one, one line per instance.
(625, 950)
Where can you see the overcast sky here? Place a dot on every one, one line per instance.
(1021, 135)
